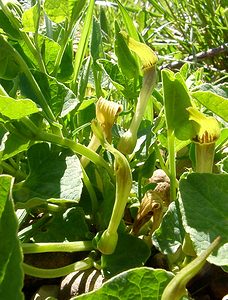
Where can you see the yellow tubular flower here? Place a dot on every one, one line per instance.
(106, 114)
(149, 59)
(207, 132)
(109, 238)
(207, 128)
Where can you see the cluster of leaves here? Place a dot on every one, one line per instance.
(55, 62)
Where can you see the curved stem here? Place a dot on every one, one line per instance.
(78, 148)
(58, 272)
(75, 147)
(77, 246)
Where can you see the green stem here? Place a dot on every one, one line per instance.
(15, 173)
(78, 246)
(58, 272)
(78, 148)
(75, 147)
(172, 164)
(161, 160)
(90, 189)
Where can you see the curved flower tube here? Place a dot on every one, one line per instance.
(149, 59)
(109, 238)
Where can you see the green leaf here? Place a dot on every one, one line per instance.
(52, 174)
(149, 165)
(176, 100)
(83, 43)
(139, 283)
(122, 259)
(9, 66)
(14, 144)
(16, 109)
(220, 89)
(49, 50)
(170, 235)
(7, 27)
(66, 66)
(11, 274)
(204, 204)
(126, 60)
(121, 83)
(96, 40)
(68, 226)
(217, 104)
(59, 97)
(128, 22)
(30, 19)
(58, 11)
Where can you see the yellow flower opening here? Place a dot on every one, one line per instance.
(207, 128)
(144, 52)
(106, 113)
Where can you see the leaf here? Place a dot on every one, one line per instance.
(217, 104)
(16, 109)
(30, 19)
(68, 226)
(49, 50)
(96, 40)
(121, 259)
(149, 165)
(83, 42)
(59, 97)
(121, 83)
(176, 100)
(128, 22)
(14, 144)
(139, 283)
(204, 204)
(7, 27)
(66, 67)
(220, 89)
(147, 56)
(170, 235)
(11, 274)
(9, 66)
(58, 11)
(52, 175)
(126, 60)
